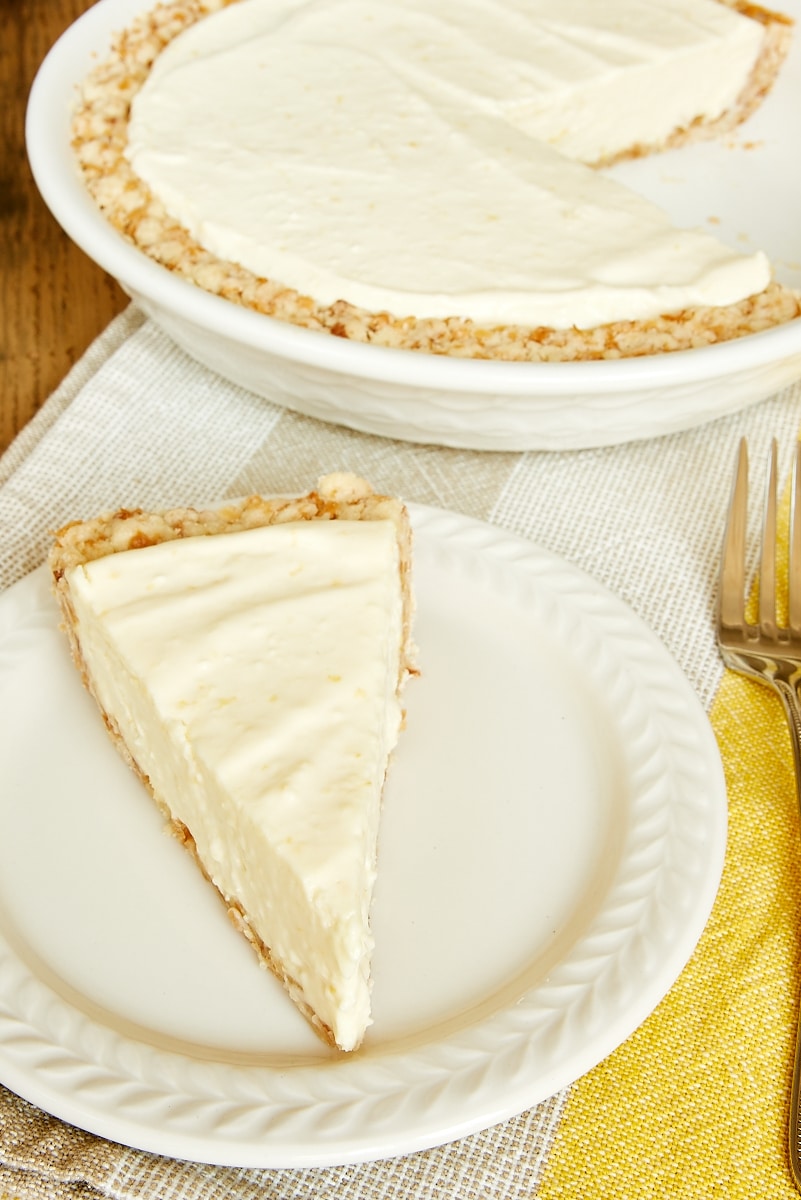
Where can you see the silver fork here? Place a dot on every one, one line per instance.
(767, 651)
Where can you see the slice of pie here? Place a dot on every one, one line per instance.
(248, 664)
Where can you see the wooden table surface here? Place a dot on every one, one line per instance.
(53, 300)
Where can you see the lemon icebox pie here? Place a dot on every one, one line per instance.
(428, 174)
(248, 664)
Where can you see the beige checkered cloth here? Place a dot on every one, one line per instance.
(138, 423)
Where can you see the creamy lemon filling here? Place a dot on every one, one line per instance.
(419, 158)
(253, 677)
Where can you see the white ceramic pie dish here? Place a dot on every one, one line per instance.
(749, 187)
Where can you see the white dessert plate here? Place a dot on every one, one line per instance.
(553, 836)
(747, 187)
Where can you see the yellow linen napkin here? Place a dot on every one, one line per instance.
(696, 1103)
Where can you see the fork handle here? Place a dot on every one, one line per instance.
(788, 692)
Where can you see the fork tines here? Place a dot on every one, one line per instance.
(733, 562)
